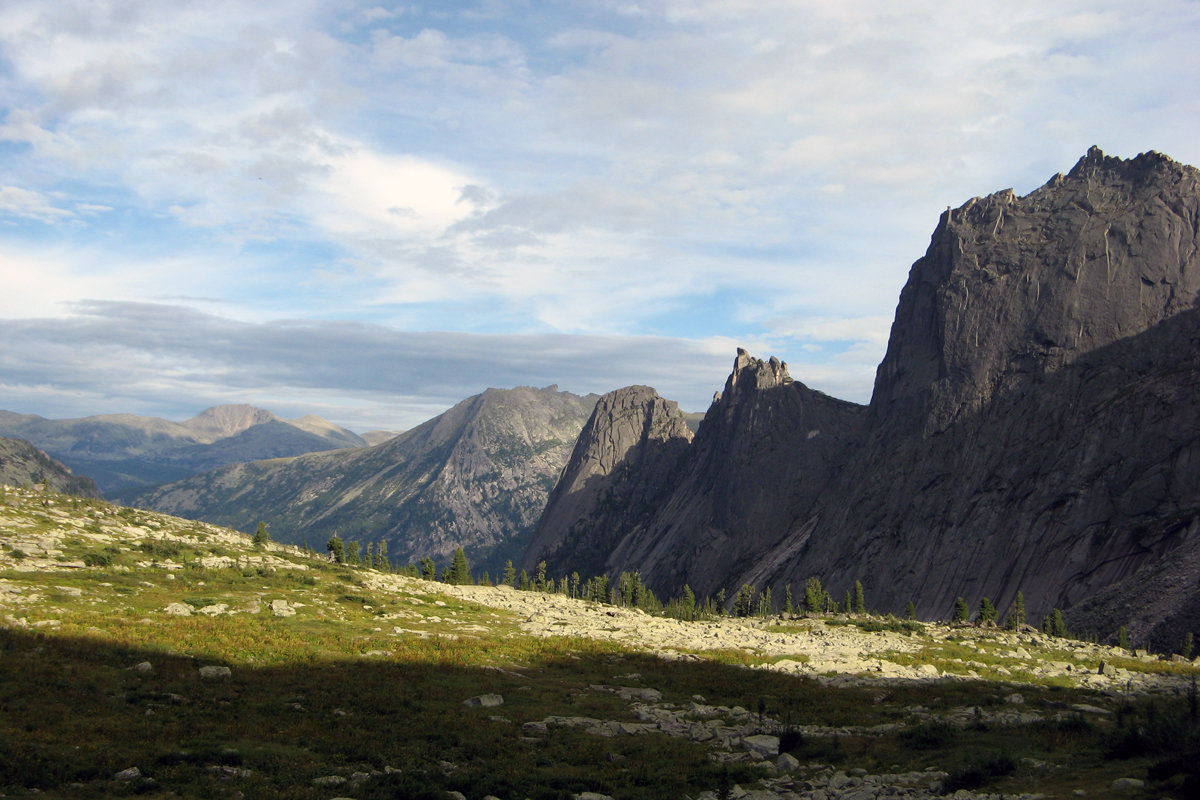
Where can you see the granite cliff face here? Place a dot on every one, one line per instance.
(1035, 426)
(622, 465)
(476, 476)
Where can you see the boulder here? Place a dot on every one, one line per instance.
(215, 673)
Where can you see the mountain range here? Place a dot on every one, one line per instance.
(476, 476)
(1034, 428)
(120, 451)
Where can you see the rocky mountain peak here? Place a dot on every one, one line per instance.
(1015, 286)
(220, 422)
(752, 374)
(631, 432)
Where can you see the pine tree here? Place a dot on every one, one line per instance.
(1122, 638)
(962, 612)
(381, 558)
(370, 562)
(337, 550)
(765, 606)
(1054, 624)
(846, 601)
(352, 554)
(744, 601)
(860, 598)
(688, 601)
(575, 590)
(540, 580)
(789, 606)
(814, 596)
(721, 601)
(910, 610)
(523, 582)
(1188, 643)
(261, 537)
(986, 616)
(428, 569)
(460, 571)
(510, 574)
(1016, 614)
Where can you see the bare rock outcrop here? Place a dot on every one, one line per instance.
(1035, 427)
(623, 463)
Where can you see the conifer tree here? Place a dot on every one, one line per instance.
(789, 607)
(1122, 638)
(1054, 624)
(814, 596)
(743, 603)
(1016, 614)
(352, 554)
(337, 550)
(846, 601)
(460, 571)
(765, 606)
(540, 580)
(574, 589)
(510, 574)
(428, 569)
(910, 610)
(986, 616)
(261, 536)
(860, 598)
(523, 581)
(721, 600)
(370, 561)
(1188, 643)
(381, 558)
(962, 612)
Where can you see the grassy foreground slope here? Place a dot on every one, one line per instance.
(146, 655)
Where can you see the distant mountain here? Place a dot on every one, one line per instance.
(21, 463)
(379, 437)
(121, 451)
(1035, 427)
(476, 476)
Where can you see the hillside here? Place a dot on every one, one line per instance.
(1035, 427)
(23, 464)
(120, 451)
(146, 654)
(476, 477)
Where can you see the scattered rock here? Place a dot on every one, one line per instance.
(329, 780)
(215, 673)
(280, 608)
(484, 701)
(131, 774)
(787, 763)
(1128, 783)
(762, 744)
(179, 610)
(143, 668)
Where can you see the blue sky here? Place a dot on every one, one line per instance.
(370, 211)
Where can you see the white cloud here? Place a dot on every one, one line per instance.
(26, 203)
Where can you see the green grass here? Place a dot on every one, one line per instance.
(336, 690)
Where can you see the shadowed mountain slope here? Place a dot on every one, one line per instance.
(21, 463)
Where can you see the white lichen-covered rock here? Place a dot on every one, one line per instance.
(212, 673)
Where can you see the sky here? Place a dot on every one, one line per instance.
(370, 211)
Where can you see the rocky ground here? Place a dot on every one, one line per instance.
(65, 538)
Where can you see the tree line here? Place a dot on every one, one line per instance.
(629, 591)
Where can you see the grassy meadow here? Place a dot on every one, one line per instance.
(360, 692)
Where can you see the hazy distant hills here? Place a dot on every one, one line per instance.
(120, 451)
(476, 476)
(1035, 427)
(23, 464)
